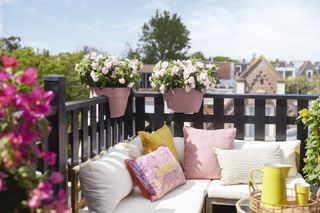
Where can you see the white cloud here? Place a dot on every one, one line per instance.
(276, 28)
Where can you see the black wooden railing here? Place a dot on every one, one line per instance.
(81, 129)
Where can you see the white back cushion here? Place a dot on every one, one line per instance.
(106, 181)
(290, 151)
(236, 164)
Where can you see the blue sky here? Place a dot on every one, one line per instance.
(285, 29)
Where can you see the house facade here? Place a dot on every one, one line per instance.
(298, 68)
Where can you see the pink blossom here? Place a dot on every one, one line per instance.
(49, 157)
(4, 75)
(60, 204)
(6, 94)
(29, 77)
(42, 192)
(56, 178)
(9, 62)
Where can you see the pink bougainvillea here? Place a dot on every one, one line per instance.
(23, 110)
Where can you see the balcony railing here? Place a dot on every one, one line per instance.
(81, 129)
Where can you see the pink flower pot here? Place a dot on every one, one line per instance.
(180, 100)
(118, 99)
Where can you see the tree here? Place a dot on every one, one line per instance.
(132, 53)
(10, 44)
(298, 85)
(223, 59)
(198, 55)
(164, 37)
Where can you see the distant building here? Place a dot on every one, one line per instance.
(298, 68)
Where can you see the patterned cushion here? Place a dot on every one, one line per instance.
(236, 164)
(156, 173)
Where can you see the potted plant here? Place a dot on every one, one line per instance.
(108, 76)
(183, 82)
(23, 110)
(310, 117)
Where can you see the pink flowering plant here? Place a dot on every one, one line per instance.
(23, 110)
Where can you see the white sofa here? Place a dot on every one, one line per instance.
(196, 196)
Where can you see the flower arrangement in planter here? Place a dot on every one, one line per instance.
(183, 82)
(311, 118)
(23, 110)
(106, 75)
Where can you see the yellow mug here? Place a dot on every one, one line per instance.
(302, 191)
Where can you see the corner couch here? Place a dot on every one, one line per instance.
(197, 195)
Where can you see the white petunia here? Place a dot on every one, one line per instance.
(153, 85)
(200, 64)
(105, 70)
(203, 75)
(131, 85)
(162, 88)
(108, 64)
(210, 66)
(191, 80)
(164, 65)
(114, 60)
(174, 70)
(94, 65)
(94, 76)
(93, 55)
(87, 56)
(122, 81)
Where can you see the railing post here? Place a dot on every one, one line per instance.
(58, 138)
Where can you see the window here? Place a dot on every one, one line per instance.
(288, 73)
(309, 74)
(281, 73)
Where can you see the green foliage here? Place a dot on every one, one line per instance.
(164, 37)
(63, 64)
(9, 44)
(311, 118)
(278, 62)
(198, 55)
(223, 59)
(132, 53)
(301, 85)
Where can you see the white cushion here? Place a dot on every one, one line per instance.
(236, 164)
(179, 144)
(104, 182)
(187, 198)
(290, 151)
(218, 190)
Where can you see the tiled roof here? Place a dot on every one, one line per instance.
(224, 70)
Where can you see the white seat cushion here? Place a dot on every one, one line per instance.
(218, 190)
(187, 198)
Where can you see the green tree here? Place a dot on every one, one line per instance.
(164, 37)
(63, 63)
(9, 44)
(198, 55)
(132, 53)
(298, 85)
(223, 59)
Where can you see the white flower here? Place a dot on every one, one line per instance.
(153, 85)
(157, 67)
(122, 81)
(108, 64)
(93, 55)
(200, 64)
(188, 88)
(114, 60)
(87, 56)
(210, 66)
(203, 75)
(174, 70)
(162, 88)
(164, 65)
(94, 65)
(94, 76)
(134, 65)
(105, 70)
(131, 85)
(191, 80)
(99, 56)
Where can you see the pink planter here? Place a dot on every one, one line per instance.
(179, 100)
(118, 99)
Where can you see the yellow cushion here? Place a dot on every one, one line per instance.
(151, 141)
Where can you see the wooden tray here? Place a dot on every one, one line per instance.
(256, 205)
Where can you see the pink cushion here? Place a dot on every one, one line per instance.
(156, 173)
(200, 161)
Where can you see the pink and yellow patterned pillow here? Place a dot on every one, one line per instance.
(156, 173)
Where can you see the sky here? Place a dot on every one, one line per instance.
(284, 29)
